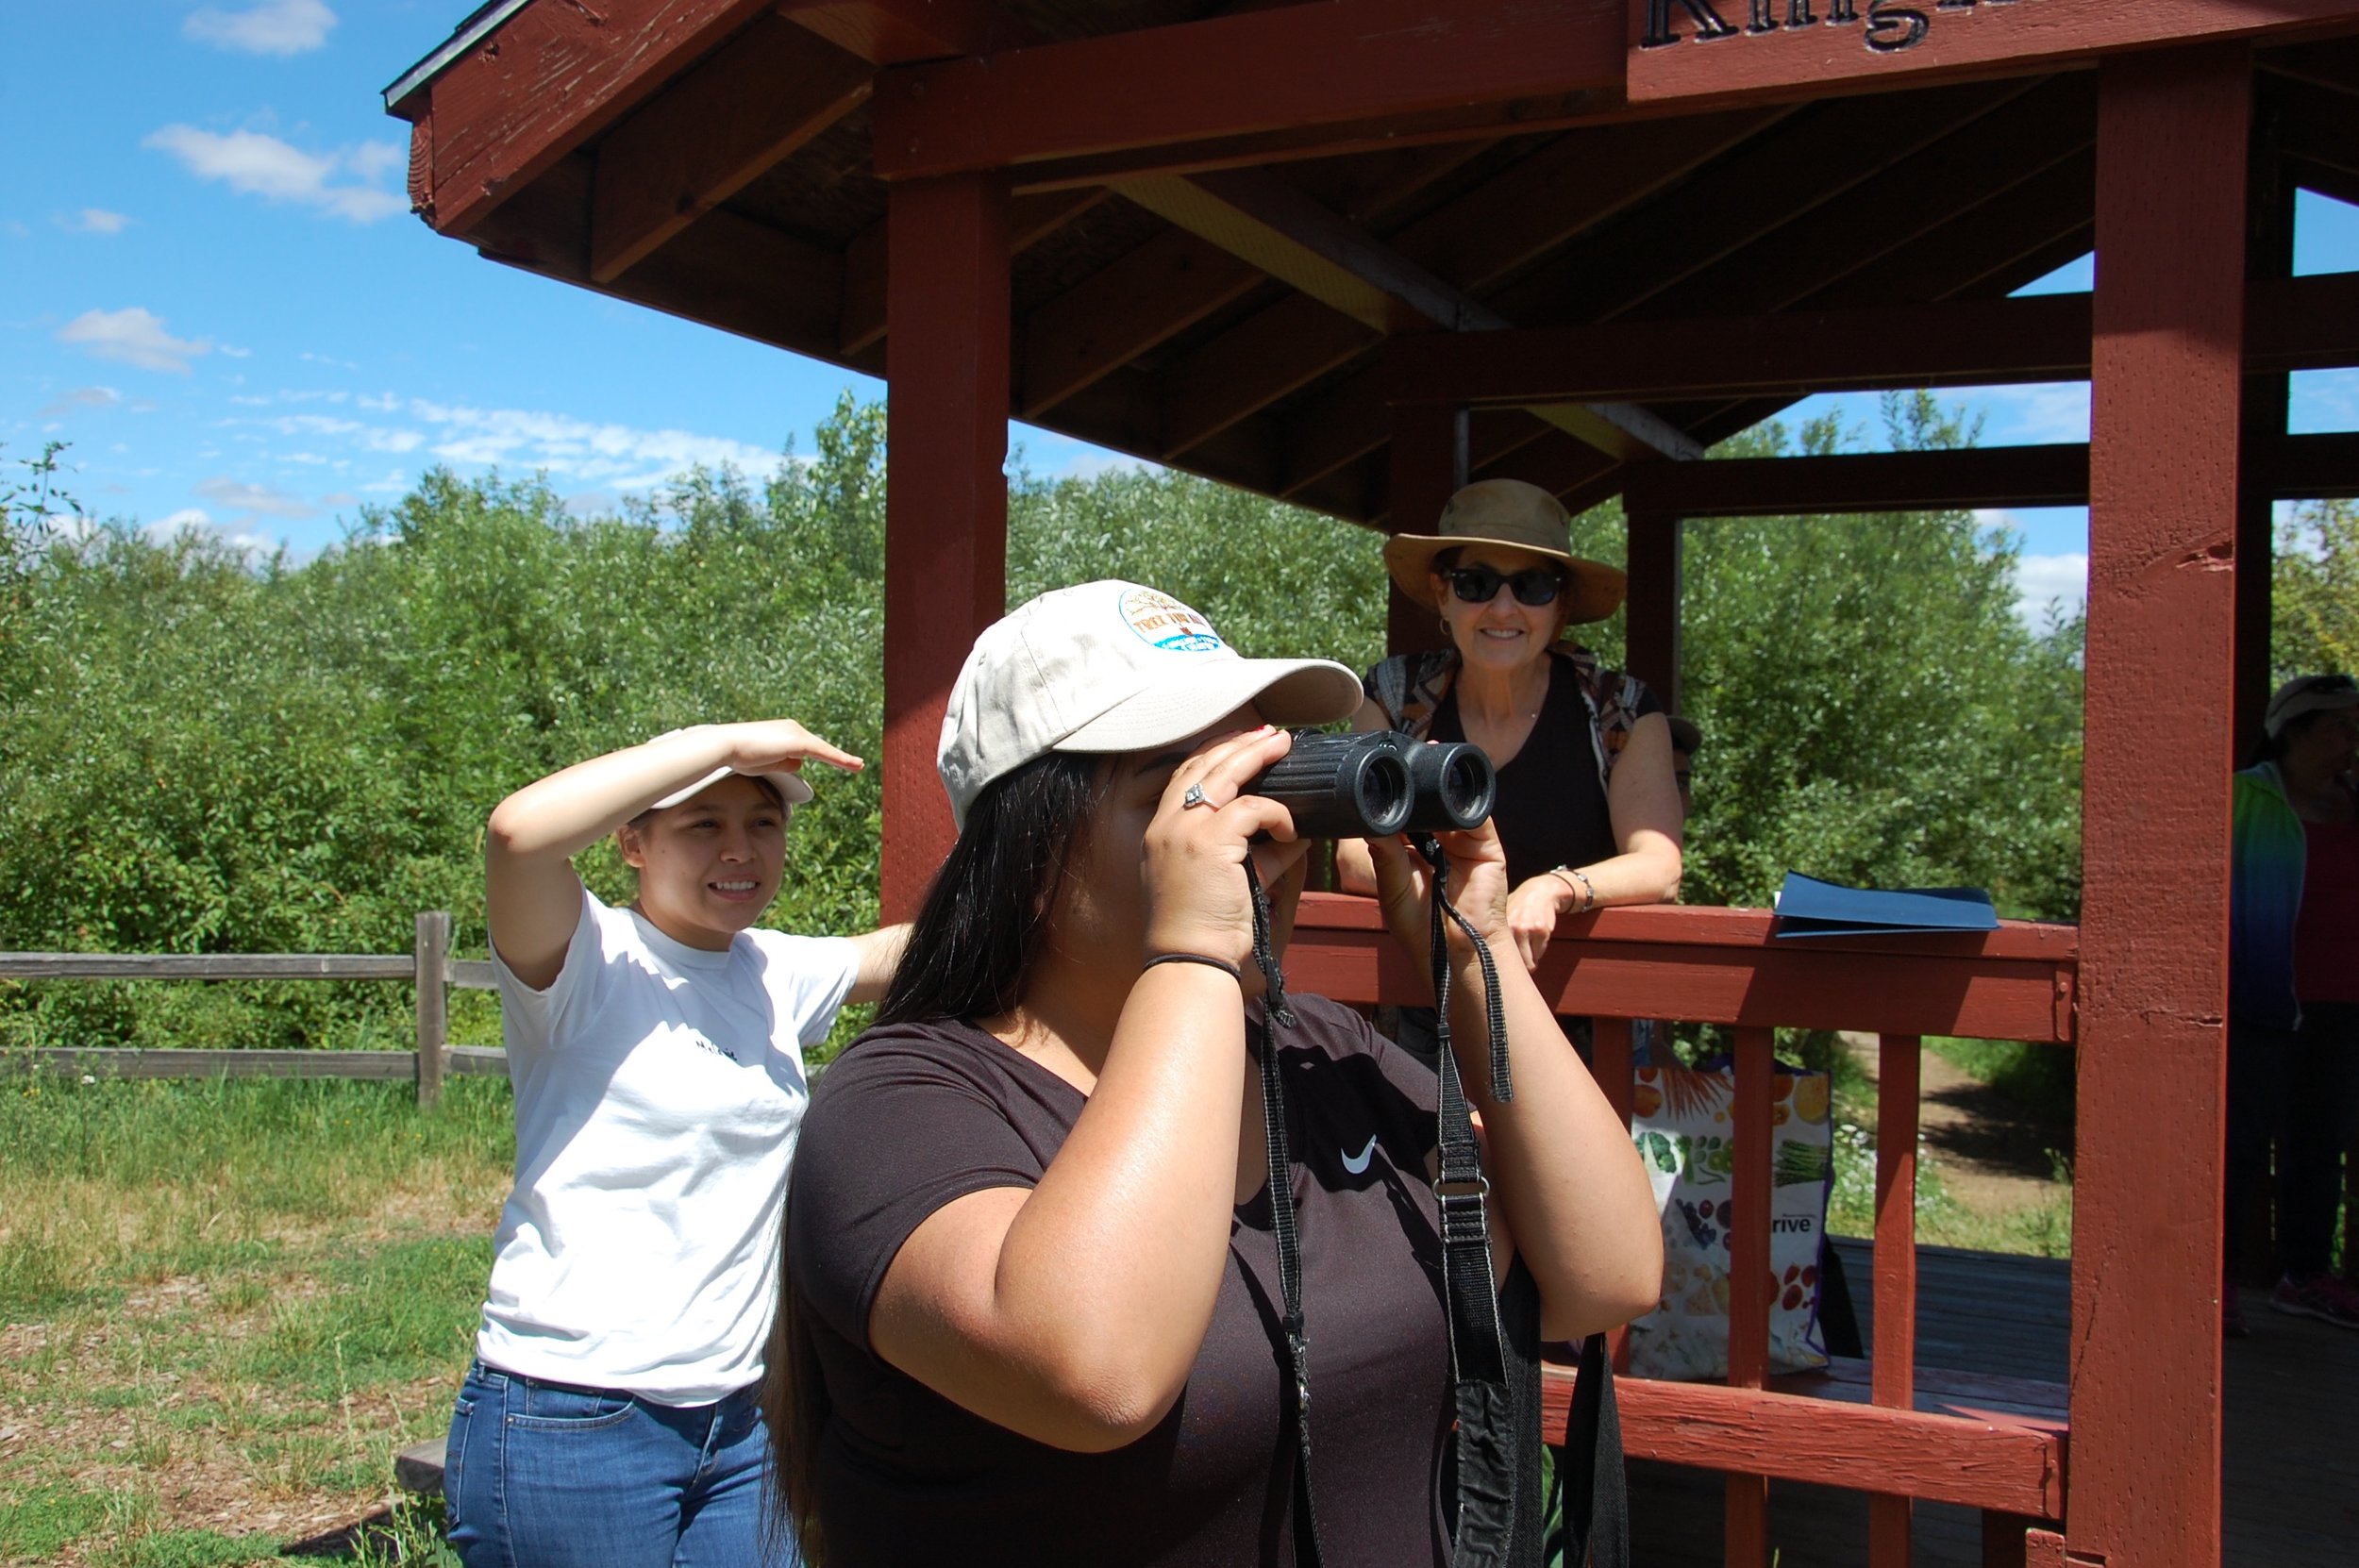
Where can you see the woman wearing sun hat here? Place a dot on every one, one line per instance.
(1036, 1284)
(2293, 990)
(1588, 809)
(656, 1052)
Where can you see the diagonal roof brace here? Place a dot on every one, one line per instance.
(1282, 230)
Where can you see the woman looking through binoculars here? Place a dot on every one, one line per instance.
(1033, 1311)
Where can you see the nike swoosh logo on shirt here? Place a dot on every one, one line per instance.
(1358, 1164)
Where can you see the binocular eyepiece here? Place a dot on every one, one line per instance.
(1371, 786)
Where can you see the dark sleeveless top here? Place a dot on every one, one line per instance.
(1551, 808)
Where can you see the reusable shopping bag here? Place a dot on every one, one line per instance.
(1682, 1121)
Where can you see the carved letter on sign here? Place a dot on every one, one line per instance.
(1660, 30)
(1892, 28)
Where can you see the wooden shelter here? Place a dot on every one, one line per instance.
(1353, 252)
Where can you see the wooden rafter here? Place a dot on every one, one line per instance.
(1232, 75)
(1280, 230)
(751, 104)
(2303, 324)
(2296, 468)
(893, 32)
(1111, 317)
(1472, 242)
(1117, 313)
(1852, 237)
(1615, 268)
(1764, 186)
(723, 270)
(1983, 254)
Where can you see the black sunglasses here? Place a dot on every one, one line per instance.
(1478, 585)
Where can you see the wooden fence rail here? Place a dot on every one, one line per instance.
(429, 967)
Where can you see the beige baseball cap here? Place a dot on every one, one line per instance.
(1111, 666)
(792, 790)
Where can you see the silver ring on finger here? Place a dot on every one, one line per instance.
(1194, 797)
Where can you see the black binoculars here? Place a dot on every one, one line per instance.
(1374, 785)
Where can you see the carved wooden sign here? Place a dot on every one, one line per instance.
(1884, 26)
(1707, 51)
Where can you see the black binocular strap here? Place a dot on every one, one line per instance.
(1495, 1406)
(1281, 1208)
(1489, 1457)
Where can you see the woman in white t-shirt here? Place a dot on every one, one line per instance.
(656, 1056)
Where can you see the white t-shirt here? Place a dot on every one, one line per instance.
(659, 1089)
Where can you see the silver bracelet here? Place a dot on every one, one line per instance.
(1588, 890)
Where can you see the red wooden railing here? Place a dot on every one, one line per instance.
(1877, 1427)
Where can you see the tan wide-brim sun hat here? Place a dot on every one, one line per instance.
(1507, 511)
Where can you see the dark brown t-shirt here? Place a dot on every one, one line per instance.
(913, 1116)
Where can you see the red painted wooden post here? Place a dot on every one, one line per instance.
(1893, 1369)
(1429, 461)
(946, 495)
(1751, 1284)
(1651, 617)
(2165, 403)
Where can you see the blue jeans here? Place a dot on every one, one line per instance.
(543, 1475)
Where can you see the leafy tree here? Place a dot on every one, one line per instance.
(2316, 622)
(208, 752)
(1874, 709)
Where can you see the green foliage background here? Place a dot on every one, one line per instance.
(207, 754)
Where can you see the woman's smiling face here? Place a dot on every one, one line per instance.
(1504, 633)
(709, 866)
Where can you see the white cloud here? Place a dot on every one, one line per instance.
(134, 336)
(254, 164)
(2033, 414)
(244, 496)
(83, 398)
(614, 455)
(2061, 582)
(266, 27)
(94, 220)
(237, 353)
(187, 517)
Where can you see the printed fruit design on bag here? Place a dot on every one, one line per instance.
(1683, 1126)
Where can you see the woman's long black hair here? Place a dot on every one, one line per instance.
(970, 953)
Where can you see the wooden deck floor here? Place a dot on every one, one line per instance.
(2292, 1484)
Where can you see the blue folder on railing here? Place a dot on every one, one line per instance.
(1809, 908)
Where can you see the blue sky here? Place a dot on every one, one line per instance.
(210, 284)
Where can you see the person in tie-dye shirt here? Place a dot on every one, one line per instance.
(2293, 1053)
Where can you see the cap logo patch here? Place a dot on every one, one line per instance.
(1167, 624)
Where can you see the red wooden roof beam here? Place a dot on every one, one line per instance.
(1302, 65)
(2298, 324)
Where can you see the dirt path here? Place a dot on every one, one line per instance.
(1992, 1151)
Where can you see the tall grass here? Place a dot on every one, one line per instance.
(237, 1296)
